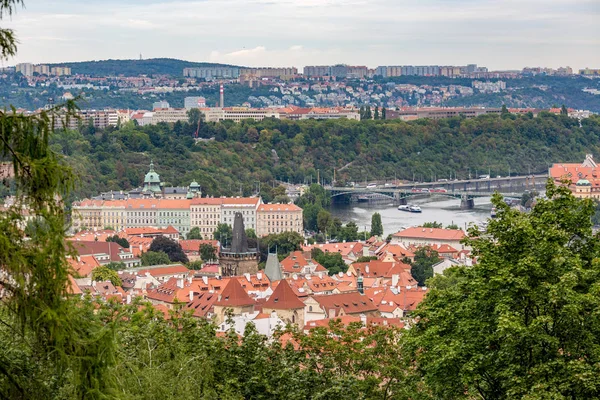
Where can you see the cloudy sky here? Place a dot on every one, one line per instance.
(500, 34)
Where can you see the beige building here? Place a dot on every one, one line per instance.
(278, 218)
(169, 115)
(205, 213)
(247, 206)
(237, 114)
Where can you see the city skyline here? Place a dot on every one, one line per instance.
(504, 34)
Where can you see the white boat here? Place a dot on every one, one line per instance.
(404, 207)
(415, 209)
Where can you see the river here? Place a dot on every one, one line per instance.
(446, 211)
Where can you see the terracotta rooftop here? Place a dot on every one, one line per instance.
(350, 302)
(431, 233)
(283, 298)
(234, 295)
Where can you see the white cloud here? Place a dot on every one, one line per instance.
(497, 33)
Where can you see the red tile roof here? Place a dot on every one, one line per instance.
(234, 295)
(350, 302)
(375, 269)
(431, 233)
(283, 298)
(278, 207)
(167, 270)
(83, 265)
(296, 261)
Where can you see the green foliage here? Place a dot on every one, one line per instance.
(284, 242)
(366, 259)
(453, 226)
(104, 273)
(155, 258)
(196, 265)
(223, 233)
(207, 252)
(121, 241)
(115, 266)
(433, 224)
(376, 225)
(349, 232)
(250, 233)
(421, 268)
(333, 262)
(194, 233)
(170, 247)
(524, 320)
(528, 198)
(117, 159)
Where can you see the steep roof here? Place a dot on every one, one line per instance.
(376, 268)
(272, 268)
(92, 247)
(234, 295)
(296, 261)
(283, 298)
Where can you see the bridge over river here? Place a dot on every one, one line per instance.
(465, 190)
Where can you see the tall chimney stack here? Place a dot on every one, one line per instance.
(222, 98)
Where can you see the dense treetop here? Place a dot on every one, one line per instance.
(294, 150)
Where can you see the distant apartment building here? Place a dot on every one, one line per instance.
(60, 71)
(278, 218)
(25, 68)
(590, 72)
(237, 114)
(440, 112)
(269, 72)
(489, 87)
(212, 72)
(169, 115)
(160, 104)
(99, 119)
(42, 69)
(194, 102)
(317, 70)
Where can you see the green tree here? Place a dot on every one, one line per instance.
(104, 273)
(333, 262)
(116, 265)
(349, 232)
(251, 233)
(284, 243)
(564, 111)
(452, 226)
(376, 225)
(154, 258)
(196, 265)
(366, 259)
(194, 233)
(207, 252)
(504, 110)
(170, 247)
(195, 116)
(525, 319)
(422, 266)
(324, 220)
(223, 233)
(433, 224)
(383, 113)
(376, 115)
(121, 241)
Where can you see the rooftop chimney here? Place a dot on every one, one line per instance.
(395, 279)
(191, 295)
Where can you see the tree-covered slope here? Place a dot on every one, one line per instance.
(161, 66)
(245, 153)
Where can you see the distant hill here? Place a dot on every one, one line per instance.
(163, 66)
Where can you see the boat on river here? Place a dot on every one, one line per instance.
(414, 209)
(404, 207)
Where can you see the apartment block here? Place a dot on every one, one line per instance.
(278, 218)
(169, 115)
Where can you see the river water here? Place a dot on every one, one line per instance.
(444, 210)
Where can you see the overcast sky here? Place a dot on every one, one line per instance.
(500, 34)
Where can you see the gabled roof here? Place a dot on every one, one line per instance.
(283, 298)
(296, 261)
(380, 269)
(83, 265)
(92, 247)
(234, 295)
(350, 302)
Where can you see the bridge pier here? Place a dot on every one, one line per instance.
(402, 200)
(466, 202)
